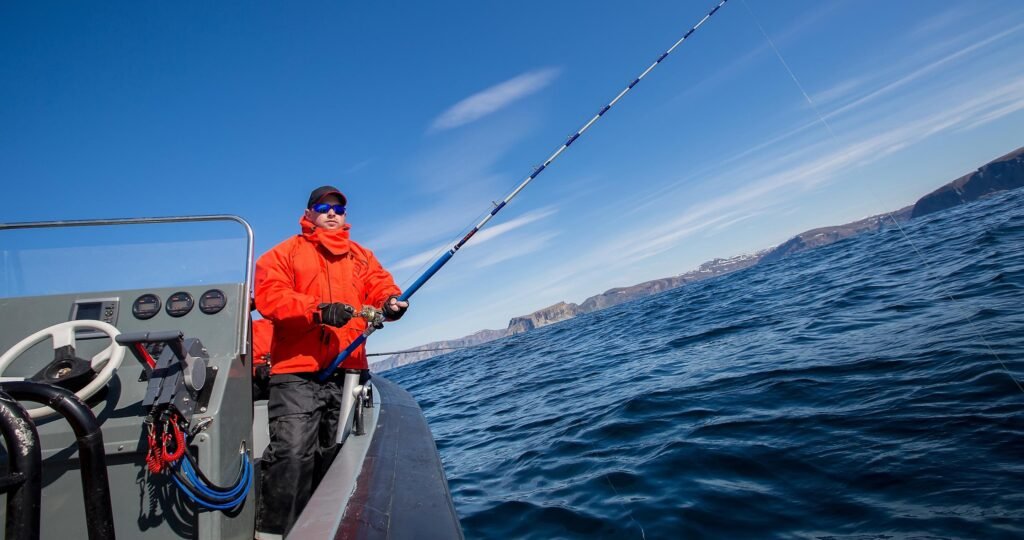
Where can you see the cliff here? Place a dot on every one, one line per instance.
(543, 317)
(709, 269)
(1001, 174)
(824, 236)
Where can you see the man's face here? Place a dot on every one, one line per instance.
(327, 220)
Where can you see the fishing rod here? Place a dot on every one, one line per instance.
(443, 259)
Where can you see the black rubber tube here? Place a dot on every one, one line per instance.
(26, 460)
(99, 514)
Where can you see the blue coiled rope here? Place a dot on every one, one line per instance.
(212, 497)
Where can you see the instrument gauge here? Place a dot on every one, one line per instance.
(146, 306)
(179, 304)
(212, 301)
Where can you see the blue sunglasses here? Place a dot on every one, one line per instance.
(323, 208)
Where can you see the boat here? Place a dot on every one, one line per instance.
(126, 396)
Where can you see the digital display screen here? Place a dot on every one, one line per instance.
(88, 311)
(147, 305)
(178, 304)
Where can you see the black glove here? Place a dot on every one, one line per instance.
(393, 314)
(336, 314)
(261, 382)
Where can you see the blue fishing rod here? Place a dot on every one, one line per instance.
(443, 259)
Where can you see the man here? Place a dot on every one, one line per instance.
(310, 287)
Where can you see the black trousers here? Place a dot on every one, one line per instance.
(303, 421)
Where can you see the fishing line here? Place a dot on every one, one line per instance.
(966, 316)
(416, 351)
(441, 261)
(791, 74)
(628, 511)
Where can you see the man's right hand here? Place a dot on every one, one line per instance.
(336, 314)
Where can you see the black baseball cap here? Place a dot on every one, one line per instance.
(323, 191)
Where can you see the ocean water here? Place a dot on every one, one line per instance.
(854, 391)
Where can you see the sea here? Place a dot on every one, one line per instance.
(871, 388)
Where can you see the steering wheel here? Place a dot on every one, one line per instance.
(105, 363)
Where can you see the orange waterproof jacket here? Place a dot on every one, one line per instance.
(262, 334)
(317, 266)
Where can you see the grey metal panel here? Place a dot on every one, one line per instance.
(402, 491)
(145, 506)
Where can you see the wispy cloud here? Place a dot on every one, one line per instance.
(840, 90)
(483, 236)
(925, 70)
(497, 230)
(436, 218)
(418, 259)
(939, 23)
(1008, 106)
(455, 181)
(887, 134)
(521, 248)
(742, 217)
(843, 90)
(358, 166)
(922, 50)
(494, 99)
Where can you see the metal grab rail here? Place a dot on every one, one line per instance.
(99, 512)
(24, 483)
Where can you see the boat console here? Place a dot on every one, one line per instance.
(164, 370)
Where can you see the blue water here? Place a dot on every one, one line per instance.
(839, 393)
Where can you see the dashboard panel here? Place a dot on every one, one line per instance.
(150, 310)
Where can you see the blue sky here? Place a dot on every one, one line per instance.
(424, 113)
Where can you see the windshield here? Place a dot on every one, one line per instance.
(91, 256)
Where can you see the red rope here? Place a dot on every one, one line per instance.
(179, 441)
(154, 461)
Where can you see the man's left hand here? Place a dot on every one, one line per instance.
(394, 308)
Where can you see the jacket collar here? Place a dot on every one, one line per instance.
(335, 242)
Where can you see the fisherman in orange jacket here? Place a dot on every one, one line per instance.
(310, 287)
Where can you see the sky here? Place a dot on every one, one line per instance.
(775, 117)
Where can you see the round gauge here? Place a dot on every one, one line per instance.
(212, 301)
(179, 304)
(146, 306)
